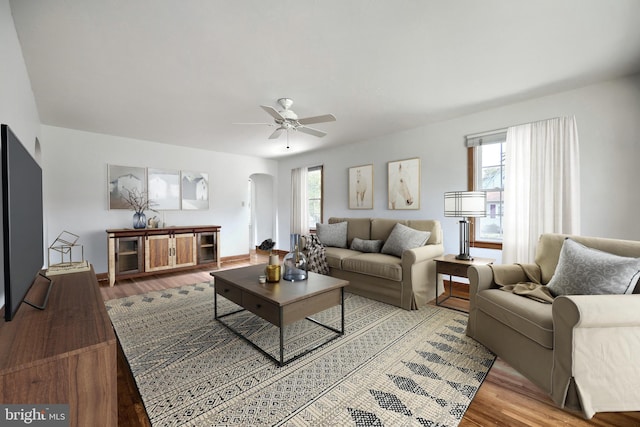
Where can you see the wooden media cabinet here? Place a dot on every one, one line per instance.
(139, 252)
(64, 354)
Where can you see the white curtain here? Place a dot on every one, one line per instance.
(542, 185)
(299, 203)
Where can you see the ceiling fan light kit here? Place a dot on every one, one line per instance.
(287, 120)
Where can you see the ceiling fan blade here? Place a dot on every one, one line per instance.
(272, 112)
(317, 119)
(311, 131)
(276, 133)
(268, 124)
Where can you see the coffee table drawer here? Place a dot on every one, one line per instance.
(268, 311)
(229, 292)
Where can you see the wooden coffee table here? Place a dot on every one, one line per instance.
(280, 303)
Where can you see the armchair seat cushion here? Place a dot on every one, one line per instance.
(378, 265)
(530, 318)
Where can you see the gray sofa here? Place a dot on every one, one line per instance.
(580, 349)
(407, 281)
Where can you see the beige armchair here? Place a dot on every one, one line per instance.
(583, 350)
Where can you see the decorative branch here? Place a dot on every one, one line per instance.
(138, 200)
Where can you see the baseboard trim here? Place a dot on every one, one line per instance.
(102, 277)
(279, 252)
(232, 258)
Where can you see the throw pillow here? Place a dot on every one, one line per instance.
(403, 238)
(372, 246)
(587, 271)
(332, 234)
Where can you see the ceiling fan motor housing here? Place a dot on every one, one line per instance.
(286, 103)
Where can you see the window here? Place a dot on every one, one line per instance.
(486, 173)
(314, 195)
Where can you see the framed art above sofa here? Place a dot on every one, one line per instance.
(404, 184)
(361, 187)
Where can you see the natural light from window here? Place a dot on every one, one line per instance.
(489, 177)
(314, 195)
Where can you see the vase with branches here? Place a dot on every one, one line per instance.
(139, 202)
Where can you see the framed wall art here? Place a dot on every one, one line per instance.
(164, 189)
(404, 184)
(195, 190)
(123, 179)
(361, 187)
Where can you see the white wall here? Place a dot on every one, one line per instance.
(76, 193)
(609, 131)
(17, 103)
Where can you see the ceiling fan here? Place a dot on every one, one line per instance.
(287, 120)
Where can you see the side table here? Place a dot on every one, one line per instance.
(449, 264)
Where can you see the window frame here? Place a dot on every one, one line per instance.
(471, 185)
(312, 227)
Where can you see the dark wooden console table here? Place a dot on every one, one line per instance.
(65, 354)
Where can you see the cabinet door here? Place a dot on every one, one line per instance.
(184, 251)
(128, 255)
(207, 247)
(158, 253)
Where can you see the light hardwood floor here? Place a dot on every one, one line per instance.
(505, 398)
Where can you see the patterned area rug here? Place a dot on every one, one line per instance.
(392, 367)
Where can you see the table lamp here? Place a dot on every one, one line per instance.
(465, 204)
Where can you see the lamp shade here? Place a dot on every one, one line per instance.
(465, 204)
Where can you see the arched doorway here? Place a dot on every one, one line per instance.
(263, 209)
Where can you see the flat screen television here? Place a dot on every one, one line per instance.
(22, 221)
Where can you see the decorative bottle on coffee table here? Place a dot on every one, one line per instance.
(295, 262)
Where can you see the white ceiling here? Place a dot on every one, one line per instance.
(184, 71)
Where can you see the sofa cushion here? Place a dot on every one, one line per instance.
(431, 225)
(403, 238)
(357, 227)
(336, 255)
(332, 234)
(379, 265)
(371, 246)
(586, 271)
(381, 228)
(530, 318)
